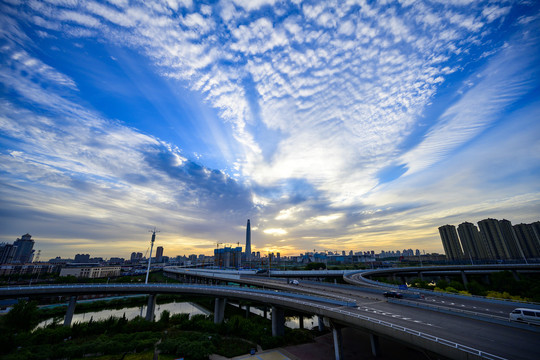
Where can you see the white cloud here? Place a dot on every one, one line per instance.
(275, 232)
(494, 12)
(251, 5)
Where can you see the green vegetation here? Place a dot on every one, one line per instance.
(155, 277)
(172, 336)
(501, 285)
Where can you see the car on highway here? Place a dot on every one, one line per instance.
(295, 282)
(393, 294)
(530, 316)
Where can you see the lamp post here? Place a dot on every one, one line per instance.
(150, 258)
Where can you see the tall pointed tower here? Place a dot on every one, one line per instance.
(248, 242)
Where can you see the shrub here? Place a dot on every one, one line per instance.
(23, 316)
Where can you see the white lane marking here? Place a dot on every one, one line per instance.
(395, 316)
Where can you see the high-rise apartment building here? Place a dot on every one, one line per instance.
(471, 241)
(528, 240)
(510, 238)
(450, 242)
(24, 249)
(491, 232)
(6, 253)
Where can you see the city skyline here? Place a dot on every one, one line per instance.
(330, 125)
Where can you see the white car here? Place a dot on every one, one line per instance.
(295, 282)
(530, 316)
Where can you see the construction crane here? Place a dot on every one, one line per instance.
(217, 245)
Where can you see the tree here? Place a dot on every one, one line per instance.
(23, 316)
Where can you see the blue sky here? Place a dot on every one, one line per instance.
(332, 125)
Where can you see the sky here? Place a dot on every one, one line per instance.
(333, 125)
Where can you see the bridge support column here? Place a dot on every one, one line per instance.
(219, 310)
(265, 312)
(375, 347)
(70, 311)
(301, 321)
(320, 322)
(338, 341)
(151, 307)
(421, 275)
(516, 276)
(464, 278)
(247, 311)
(278, 321)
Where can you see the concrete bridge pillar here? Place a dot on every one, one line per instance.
(338, 342)
(70, 311)
(375, 347)
(464, 278)
(516, 276)
(151, 307)
(278, 321)
(219, 310)
(265, 311)
(421, 275)
(247, 311)
(301, 321)
(320, 322)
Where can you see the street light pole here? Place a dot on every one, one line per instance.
(150, 258)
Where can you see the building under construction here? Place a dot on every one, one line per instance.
(228, 257)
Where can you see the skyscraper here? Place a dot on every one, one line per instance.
(472, 242)
(248, 241)
(24, 249)
(450, 241)
(527, 240)
(159, 253)
(509, 237)
(490, 230)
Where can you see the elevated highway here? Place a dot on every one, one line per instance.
(499, 338)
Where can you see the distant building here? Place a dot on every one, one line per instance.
(496, 240)
(82, 258)
(509, 236)
(473, 245)
(490, 230)
(228, 257)
(23, 249)
(91, 272)
(450, 241)
(159, 254)
(136, 257)
(7, 251)
(116, 261)
(528, 240)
